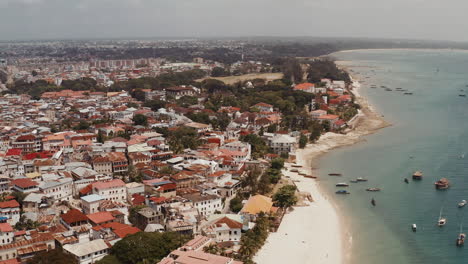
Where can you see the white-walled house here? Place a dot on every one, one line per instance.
(10, 210)
(206, 204)
(90, 203)
(113, 190)
(58, 190)
(6, 234)
(224, 229)
(88, 253)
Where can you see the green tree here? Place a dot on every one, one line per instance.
(235, 205)
(146, 247)
(155, 105)
(277, 163)
(302, 141)
(53, 256)
(109, 259)
(286, 196)
(218, 72)
(140, 120)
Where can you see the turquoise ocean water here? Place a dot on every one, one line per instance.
(431, 126)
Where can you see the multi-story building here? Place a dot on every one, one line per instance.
(102, 165)
(6, 234)
(27, 143)
(10, 211)
(113, 190)
(206, 204)
(59, 190)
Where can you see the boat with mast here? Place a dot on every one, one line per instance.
(442, 220)
(461, 237)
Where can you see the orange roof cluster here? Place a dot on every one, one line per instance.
(101, 217)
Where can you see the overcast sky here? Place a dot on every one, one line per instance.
(415, 19)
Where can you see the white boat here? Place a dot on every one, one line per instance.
(442, 220)
(414, 227)
(462, 204)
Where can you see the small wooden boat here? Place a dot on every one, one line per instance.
(296, 166)
(462, 95)
(342, 184)
(360, 179)
(388, 89)
(373, 202)
(334, 174)
(310, 176)
(342, 192)
(414, 227)
(442, 184)
(406, 180)
(373, 189)
(417, 175)
(462, 204)
(408, 93)
(461, 237)
(294, 170)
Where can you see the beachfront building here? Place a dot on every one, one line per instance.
(257, 204)
(224, 229)
(281, 143)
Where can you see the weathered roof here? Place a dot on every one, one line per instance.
(84, 249)
(257, 204)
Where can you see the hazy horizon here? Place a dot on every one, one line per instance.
(136, 19)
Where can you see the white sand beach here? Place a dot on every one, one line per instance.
(313, 234)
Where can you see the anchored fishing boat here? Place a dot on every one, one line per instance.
(342, 184)
(417, 175)
(373, 189)
(334, 174)
(442, 184)
(342, 192)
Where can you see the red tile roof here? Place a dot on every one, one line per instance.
(101, 217)
(229, 222)
(109, 184)
(9, 204)
(6, 227)
(74, 216)
(14, 152)
(24, 183)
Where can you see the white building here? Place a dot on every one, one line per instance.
(113, 190)
(10, 211)
(58, 190)
(282, 143)
(224, 229)
(6, 234)
(88, 253)
(206, 204)
(90, 203)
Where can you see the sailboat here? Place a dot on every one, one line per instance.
(442, 220)
(461, 238)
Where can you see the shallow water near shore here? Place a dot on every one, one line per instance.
(429, 132)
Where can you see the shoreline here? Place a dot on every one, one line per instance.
(321, 225)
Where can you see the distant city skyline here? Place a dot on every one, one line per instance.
(396, 19)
